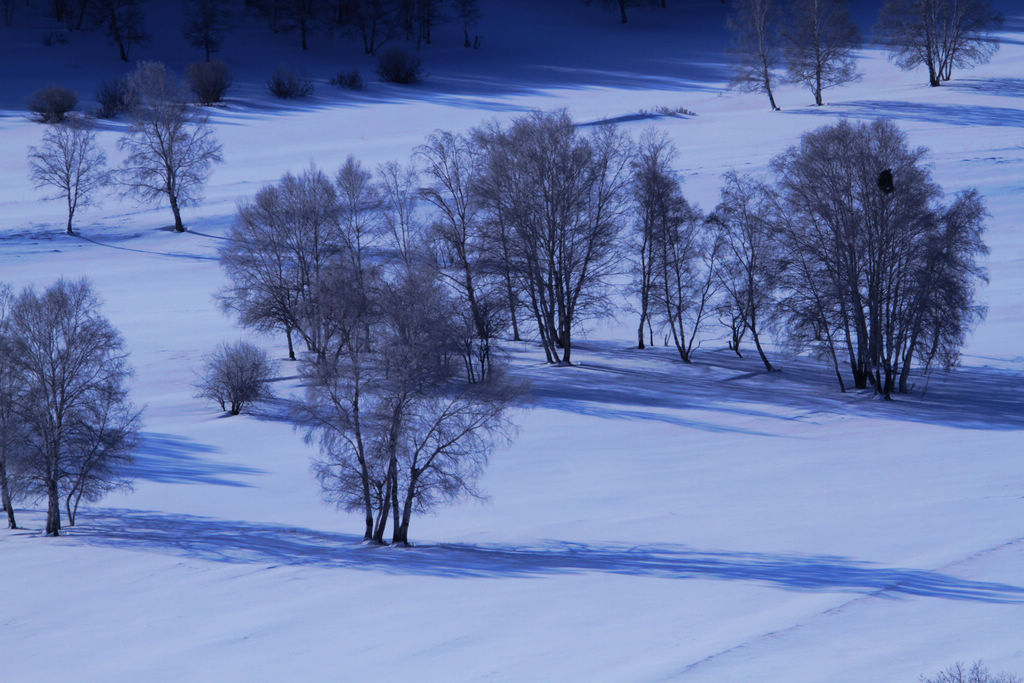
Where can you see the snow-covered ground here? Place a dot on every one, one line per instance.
(651, 521)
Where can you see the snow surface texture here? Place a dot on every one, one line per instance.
(652, 520)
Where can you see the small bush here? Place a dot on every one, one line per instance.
(52, 104)
(55, 38)
(285, 84)
(208, 81)
(399, 66)
(348, 79)
(114, 97)
(978, 673)
(235, 376)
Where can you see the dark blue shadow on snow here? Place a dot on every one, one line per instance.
(170, 459)
(617, 382)
(949, 114)
(261, 544)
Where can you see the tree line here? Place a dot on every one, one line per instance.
(208, 23)
(814, 40)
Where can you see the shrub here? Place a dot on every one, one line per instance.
(399, 66)
(978, 673)
(55, 38)
(285, 84)
(235, 375)
(114, 97)
(52, 104)
(208, 81)
(348, 79)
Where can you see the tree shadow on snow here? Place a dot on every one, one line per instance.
(949, 114)
(625, 383)
(249, 543)
(170, 459)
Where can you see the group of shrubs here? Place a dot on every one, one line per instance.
(396, 65)
(210, 81)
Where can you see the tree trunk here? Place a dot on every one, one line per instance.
(622, 11)
(53, 509)
(291, 348)
(5, 497)
(178, 225)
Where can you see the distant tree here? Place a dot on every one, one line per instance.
(123, 22)
(750, 260)
(938, 34)
(755, 43)
(80, 427)
(821, 39)
(235, 376)
(170, 147)
(207, 22)
(8, 11)
(468, 12)
(70, 162)
(374, 20)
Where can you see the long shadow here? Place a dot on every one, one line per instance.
(168, 254)
(170, 459)
(950, 114)
(261, 544)
(1005, 87)
(624, 383)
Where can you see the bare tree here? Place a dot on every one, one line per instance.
(755, 44)
(400, 194)
(397, 432)
(70, 161)
(750, 263)
(451, 165)
(564, 195)
(887, 277)
(170, 147)
(235, 376)
(206, 24)
(12, 388)
(123, 22)
(80, 428)
(278, 254)
(468, 12)
(652, 188)
(684, 261)
(821, 39)
(938, 34)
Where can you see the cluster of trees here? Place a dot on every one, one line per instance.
(67, 426)
(851, 251)
(207, 23)
(169, 150)
(814, 40)
(403, 398)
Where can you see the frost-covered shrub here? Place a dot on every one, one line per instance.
(235, 376)
(208, 81)
(52, 104)
(285, 84)
(978, 673)
(399, 66)
(114, 97)
(348, 79)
